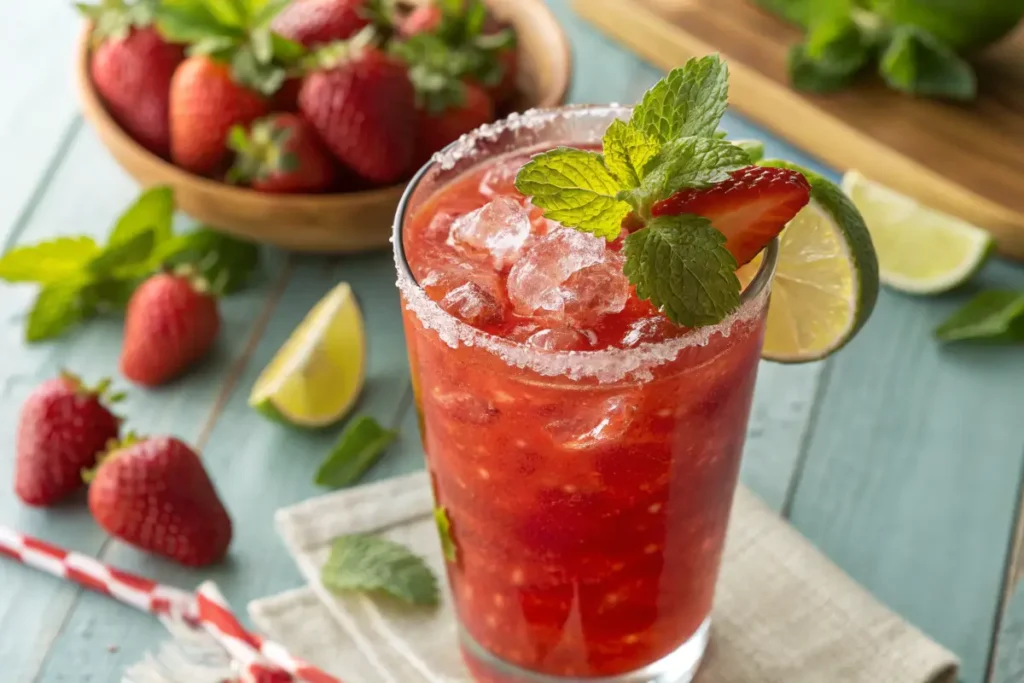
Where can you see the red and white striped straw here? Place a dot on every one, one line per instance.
(263, 661)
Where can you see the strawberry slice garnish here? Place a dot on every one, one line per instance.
(750, 208)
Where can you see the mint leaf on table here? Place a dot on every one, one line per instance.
(128, 253)
(360, 445)
(444, 529)
(369, 564)
(753, 148)
(687, 162)
(225, 262)
(994, 316)
(690, 101)
(48, 262)
(681, 265)
(58, 308)
(574, 187)
(627, 151)
(153, 210)
(918, 63)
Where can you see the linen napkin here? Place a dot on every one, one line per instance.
(783, 612)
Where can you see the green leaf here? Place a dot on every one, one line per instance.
(574, 188)
(152, 211)
(810, 75)
(361, 445)
(229, 12)
(224, 262)
(262, 45)
(248, 70)
(918, 63)
(993, 316)
(48, 262)
(124, 254)
(189, 21)
(753, 148)
(444, 529)
(286, 51)
(680, 264)
(838, 45)
(269, 9)
(371, 564)
(690, 101)
(58, 308)
(686, 163)
(627, 151)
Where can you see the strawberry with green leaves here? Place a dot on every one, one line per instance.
(319, 22)
(280, 153)
(694, 207)
(131, 65)
(361, 103)
(64, 425)
(171, 323)
(156, 495)
(236, 64)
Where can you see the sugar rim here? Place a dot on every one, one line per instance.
(606, 365)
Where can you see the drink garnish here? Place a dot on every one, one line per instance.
(370, 564)
(672, 143)
(444, 530)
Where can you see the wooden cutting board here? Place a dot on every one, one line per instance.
(965, 159)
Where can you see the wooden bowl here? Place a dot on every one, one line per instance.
(339, 223)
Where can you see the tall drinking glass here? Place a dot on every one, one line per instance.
(588, 491)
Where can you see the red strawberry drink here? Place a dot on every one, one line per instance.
(584, 447)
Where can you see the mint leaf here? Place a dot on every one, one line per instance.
(810, 75)
(58, 307)
(686, 163)
(153, 211)
(680, 264)
(377, 565)
(837, 44)
(753, 148)
(133, 251)
(918, 63)
(361, 445)
(574, 188)
(690, 101)
(444, 529)
(48, 262)
(224, 262)
(994, 316)
(627, 152)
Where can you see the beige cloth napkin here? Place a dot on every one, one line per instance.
(783, 612)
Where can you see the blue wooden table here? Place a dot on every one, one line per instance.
(900, 459)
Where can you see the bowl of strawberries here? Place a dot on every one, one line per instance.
(298, 123)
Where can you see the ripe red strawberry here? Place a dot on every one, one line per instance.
(281, 153)
(363, 107)
(315, 22)
(750, 208)
(63, 427)
(206, 103)
(156, 495)
(437, 131)
(132, 73)
(170, 324)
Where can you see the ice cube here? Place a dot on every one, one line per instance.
(561, 339)
(442, 271)
(594, 422)
(499, 180)
(472, 304)
(568, 274)
(498, 229)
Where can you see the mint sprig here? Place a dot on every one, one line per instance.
(994, 316)
(370, 564)
(672, 142)
(359, 446)
(918, 63)
(79, 279)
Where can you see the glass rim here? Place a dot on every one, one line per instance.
(535, 119)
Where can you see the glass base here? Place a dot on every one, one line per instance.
(678, 667)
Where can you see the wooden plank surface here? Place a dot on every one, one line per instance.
(874, 472)
(968, 160)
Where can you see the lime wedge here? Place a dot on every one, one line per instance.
(920, 250)
(316, 377)
(826, 281)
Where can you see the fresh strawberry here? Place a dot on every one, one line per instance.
(423, 19)
(362, 105)
(131, 66)
(316, 22)
(437, 131)
(170, 324)
(155, 494)
(206, 103)
(750, 208)
(63, 427)
(281, 153)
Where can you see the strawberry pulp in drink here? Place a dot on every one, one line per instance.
(584, 448)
